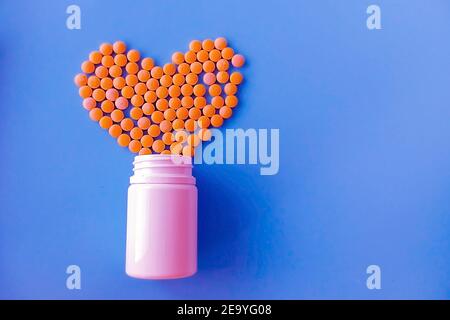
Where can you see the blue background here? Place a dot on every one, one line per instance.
(364, 178)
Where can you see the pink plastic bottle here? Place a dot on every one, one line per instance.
(162, 218)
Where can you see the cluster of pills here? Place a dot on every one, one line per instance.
(168, 109)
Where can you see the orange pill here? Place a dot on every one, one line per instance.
(208, 44)
(178, 124)
(231, 101)
(190, 57)
(184, 68)
(98, 94)
(120, 60)
(150, 96)
(200, 102)
(136, 133)
(166, 80)
(194, 113)
(174, 103)
(196, 67)
(85, 92)
(176, 148)
(162, 104)
(188, 151)
(148, 108)
(178, 79)
(101, 72)
(227, 53)
(216, 120)
(115, 130)
(209, 78)
(199, 90)
(187, 102)
(127, 92)
(225, 112)
(137, 100)
(147, 141)
(158, 146)
(186, 89)
(154, 130)
(107, 61)
(132, 67)
(80, 79)
(169, 69)
(222, 65)
(93, 82)
(222, 77)
(204, 134)
(145, 151)
(106, 83)
(105, 122)
(147, 63)
(190, 125)
(181, 136)
(215, 90)
(217, 102)
(107, 106)
(209, 110)
(157, 116)
(95, 114)
(170, 114)
(203, 122)
(140, 88)
(157, 72)
(131, 80)
(152, 84)
(191, 78)
(236, 77)
(119, 47)
(162, 92)
(112, 94)
(87, 67)
(136, 113)
(119, 83)
(134, 146)
(143, 75)
(195, 45)
(182, 113)
(95, 57)
(220, 43)
(215, 55)
(89, 103)
(174, 91)
(133, 55)
(143, 123)
(117, 115)
(209, 66)
(230, 89)
(127, 124)
(202, 56)
(165, 126)
(123, 140)
(177, 58)
(193, 140)
(238, 60)
(106, 49)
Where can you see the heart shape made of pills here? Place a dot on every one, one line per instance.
(154, 109)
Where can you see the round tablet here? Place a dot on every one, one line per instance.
(87, 67)
(162, 92)
(181, 136)
(144, 123)
(127, 92)
(140, 88)
(196, 67)
(202, 55)
(227, 53)
(162, 104)
(112, 94)
(199, 90)
(190, 57)
(187, 102)
(136, 113)
(119, 47)
(186, 89)
(225, 112)
(127, 124)
(203, 122)
(188, 151)
(215, 55)
(134, 146)
(191, 78)
(195, 45)
(132, 68)
(119, 83)
(178, 124)
(230, 89)
(121, 103)
(208, 44)
(107, 106)
(148, 108)
(178, 79)
(152, 84)
(106, 83)
(204, 134)
(85, 91)
(80, 79)
(123, 140)
(222, 65)
(143, 75)
(174, 103)
(157, 117)
(200, 102)
(238, 60)
(131, 80)
(147, 63)
(222, 77)
(133, 55)
(136, 133)
(231, 101)
(209, 78)
(98, 94)
(169, 69)
(184, 69)
(166, 80)
(120, 60)
(107, 61)
(158, 146)
(209, 110)
(157, 72)
(95, 114)
(170, 114)
(106, 48)
(220, 43)
(147, 141)
(182, 113)
(150, 96)
(105, 122)
(190, 125)
(93, 82)
(89, 103)
(137, 100)
(176, 147)
(101, 72)
(209, 66)
(194, 113)
(215, 90)
(154, 130)
(145, 151)
(177, 57)
(165, 126)
(236, 77)
(95, 57)
(174, 91)
(117, 115)
(115, 130)
(217, 102)
(216, 120)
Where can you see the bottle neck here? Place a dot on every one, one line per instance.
(161, 168)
